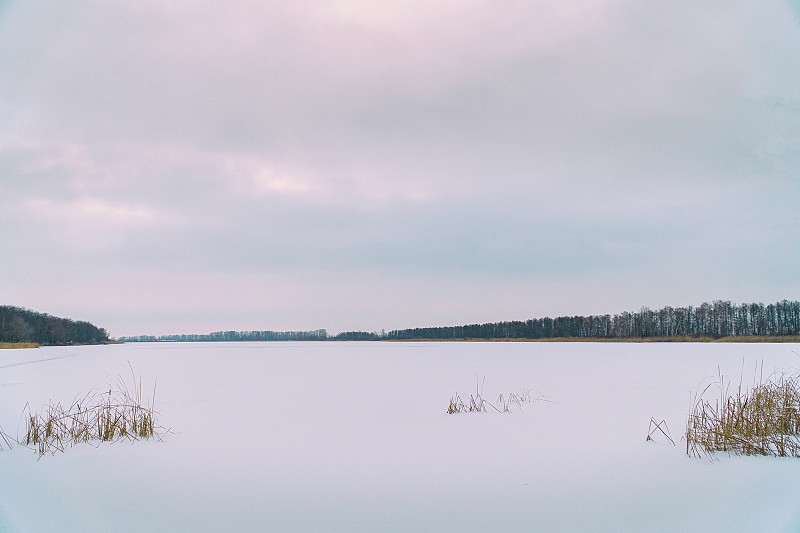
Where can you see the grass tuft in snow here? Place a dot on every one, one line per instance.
(121, 413)
(478, 404)
(764, 420)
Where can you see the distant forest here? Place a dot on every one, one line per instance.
(228, 336)
(717, 319)
(23, 325)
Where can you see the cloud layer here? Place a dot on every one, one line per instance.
(359, 165)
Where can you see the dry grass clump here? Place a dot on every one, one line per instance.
(120, 413)
(478, 404)
(764, 420)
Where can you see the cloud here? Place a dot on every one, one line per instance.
(91, 208)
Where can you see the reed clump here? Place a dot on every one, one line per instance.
(763, 420)
(478, 404)
(121, 413)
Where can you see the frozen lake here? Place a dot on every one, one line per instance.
(351, 436)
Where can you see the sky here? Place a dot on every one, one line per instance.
(187, 167)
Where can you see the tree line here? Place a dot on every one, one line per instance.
(231, 336)
(717, 319)
(18, 324)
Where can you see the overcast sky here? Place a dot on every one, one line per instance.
(187, 167)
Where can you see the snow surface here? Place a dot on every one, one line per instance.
(353, 436)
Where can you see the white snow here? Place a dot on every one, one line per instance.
(353, 436)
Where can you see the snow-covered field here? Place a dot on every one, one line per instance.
(354, 437)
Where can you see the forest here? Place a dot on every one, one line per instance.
(23, 325)
(709, 320)
(228, 336)
(715, 320)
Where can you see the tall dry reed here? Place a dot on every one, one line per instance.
(5, 438)
(120, 413)
(761, 420)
